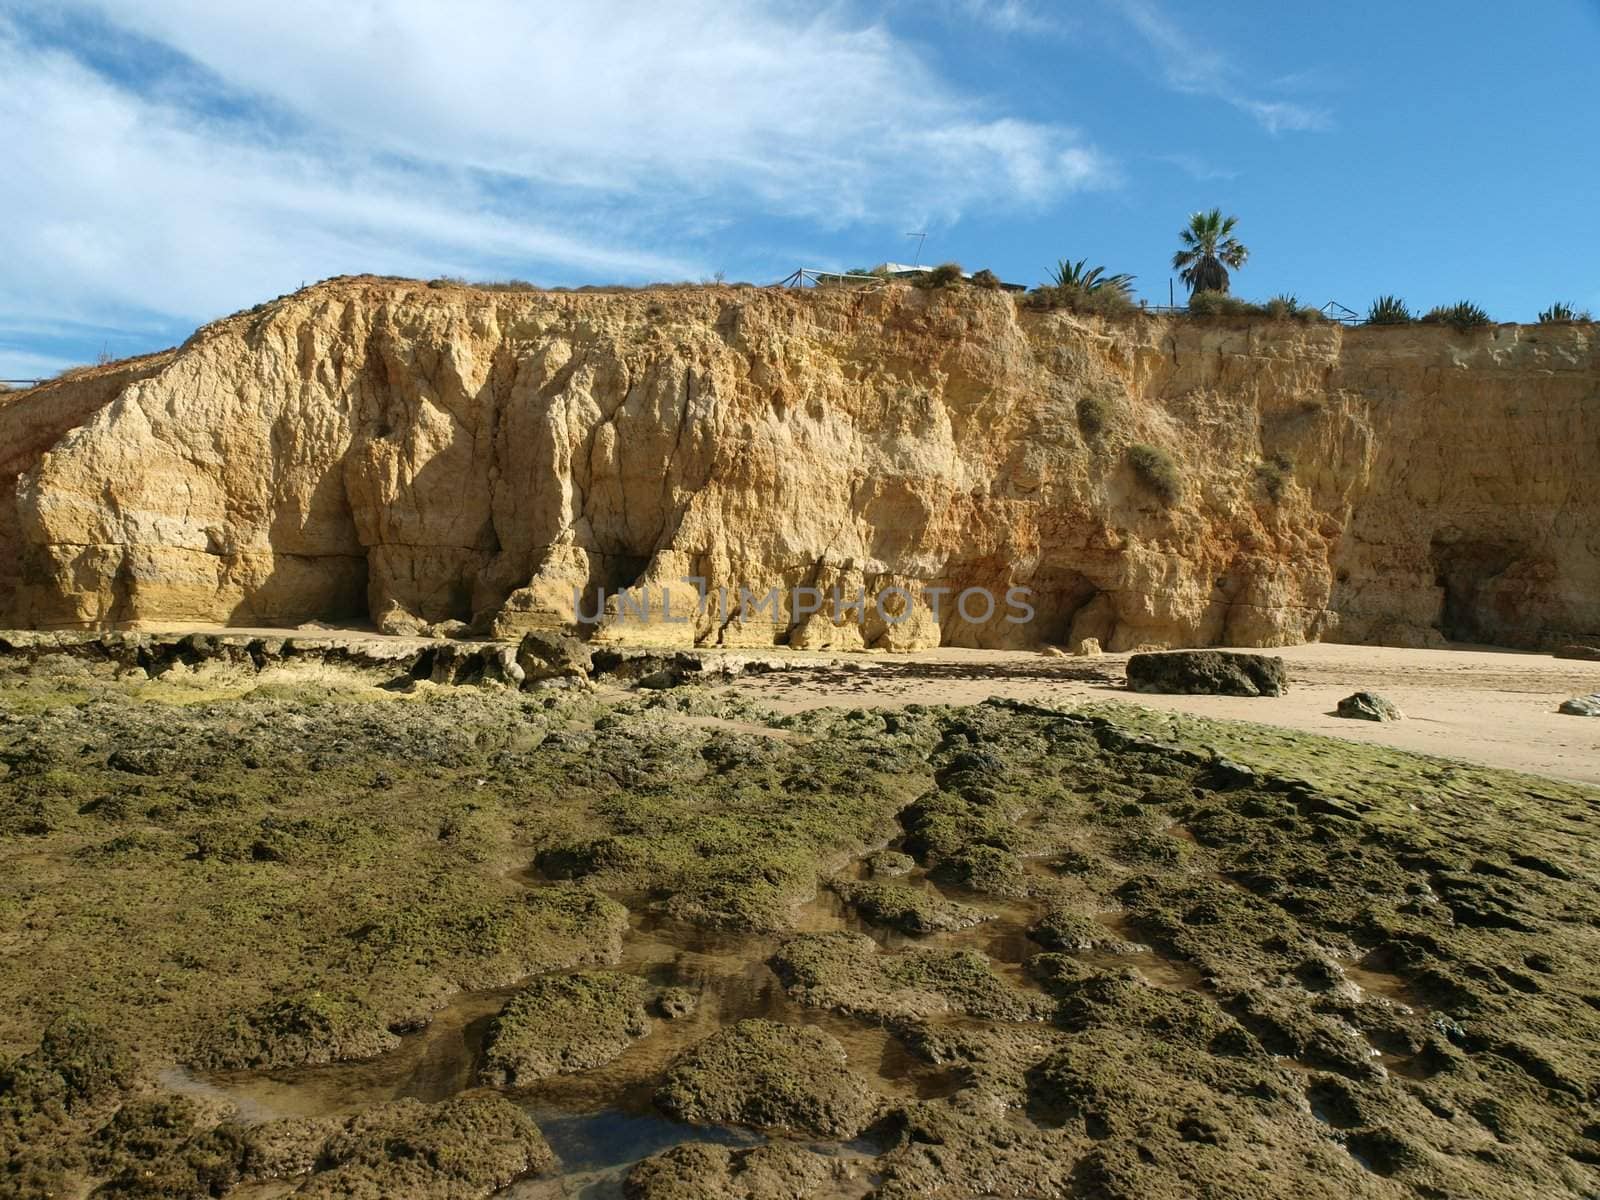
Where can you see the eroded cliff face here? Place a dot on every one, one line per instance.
(383, 450)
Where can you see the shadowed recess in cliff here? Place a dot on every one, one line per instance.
(1465, 573)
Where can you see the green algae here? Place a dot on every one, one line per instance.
(906, 907)
(847, 973)
(699, 1171)
(1273, 962)
(564, 1023)
(771, 1076)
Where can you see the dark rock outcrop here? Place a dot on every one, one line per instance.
(1207, 673)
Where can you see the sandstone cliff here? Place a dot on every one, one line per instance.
(388, 451)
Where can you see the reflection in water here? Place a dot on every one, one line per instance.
(597, 1149)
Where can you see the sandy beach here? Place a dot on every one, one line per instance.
(1487, 706)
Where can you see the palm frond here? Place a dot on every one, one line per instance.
(1209, 250)
(1080, 277)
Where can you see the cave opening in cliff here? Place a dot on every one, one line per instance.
(1059, 596)
(1461, 569)
(611, 575)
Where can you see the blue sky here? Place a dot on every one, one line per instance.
(171, 161)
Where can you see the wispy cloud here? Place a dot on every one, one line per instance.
(807, 113)
(1188, 65)
(25, 365)
(1009, 16)
(184, 158)
(1198, 168)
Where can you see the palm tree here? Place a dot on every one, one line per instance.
(1209, 250)
(1080, 277)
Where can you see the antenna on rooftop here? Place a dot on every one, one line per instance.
(921, 237)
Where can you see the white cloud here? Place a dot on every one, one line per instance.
(807, 113)
(131, 205)
(26, 365)
(558, 140)
(1191, 67)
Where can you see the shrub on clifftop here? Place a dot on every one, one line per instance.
(1463, 315)
(1562, 314)
(1078, 287)
(943, 276)
(1286, 306)
(1220, 304)
(1389, 310)
(1104, 302)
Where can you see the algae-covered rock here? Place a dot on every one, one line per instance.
(210, 1163)
(545, 654)
(845, 973)
(954, 1149)
(840, 972)
(700, 1171)
(981, 868)
(463, 1148)
(943, 822)
(889, 864)
(770, 1076)
(738, 849)
(966, 981)
(306, 1027)
(1208, 672)
(1065, 928)
(77, 1064)
(562, 1023)
(1306, 902)
(288, 1146)
(906, 907)
(495, 941)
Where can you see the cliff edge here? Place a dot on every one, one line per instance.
(406, 454)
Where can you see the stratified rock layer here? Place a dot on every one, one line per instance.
(411, 455)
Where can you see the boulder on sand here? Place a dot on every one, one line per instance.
(1207, 673)
(1368, 706)
(1582, 706)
